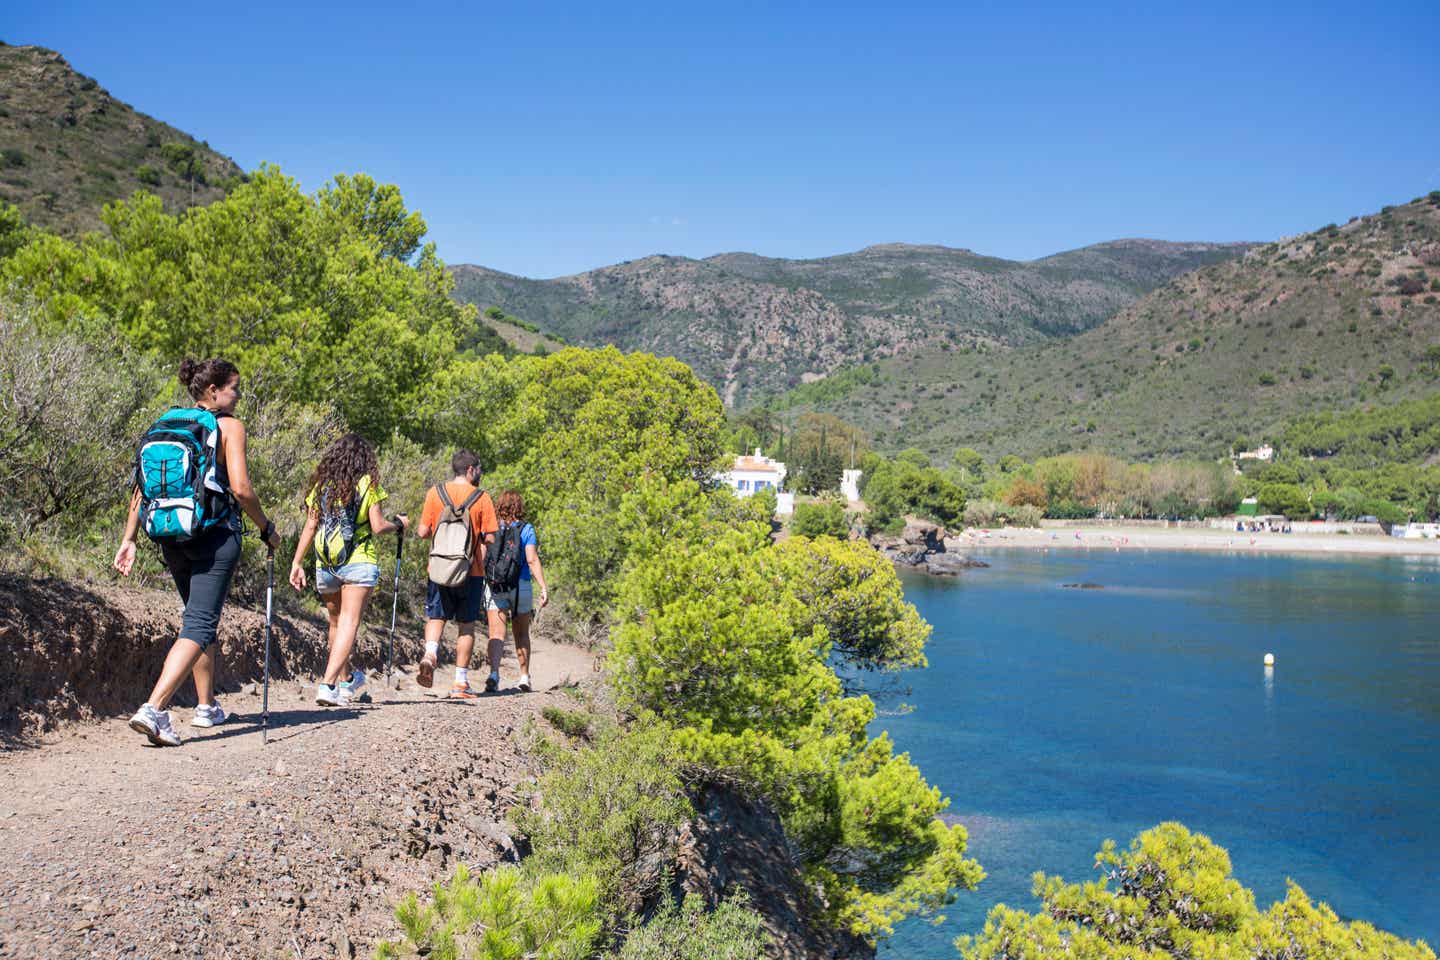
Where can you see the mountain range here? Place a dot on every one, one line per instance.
(755, 326)
(1339, 318)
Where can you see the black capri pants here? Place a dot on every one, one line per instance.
(202, 570)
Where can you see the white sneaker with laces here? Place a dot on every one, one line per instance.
(156, 726)
(523, 685)
(326, 695)
(209, 715)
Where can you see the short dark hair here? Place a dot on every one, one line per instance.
(463, 461)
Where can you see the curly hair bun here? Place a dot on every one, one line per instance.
(188, 369)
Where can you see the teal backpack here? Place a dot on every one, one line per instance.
(181, 497)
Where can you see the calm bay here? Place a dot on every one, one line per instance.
(1057, 717)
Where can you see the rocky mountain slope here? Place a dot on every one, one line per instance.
(1327, 320)
(755, 325)
(67, 147)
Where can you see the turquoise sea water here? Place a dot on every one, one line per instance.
(1054, 718)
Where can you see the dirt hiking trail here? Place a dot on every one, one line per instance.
(296, 849)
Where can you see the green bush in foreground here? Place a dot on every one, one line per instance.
(689, 932)
(603, 810)
(505, 914)
(1171, 895)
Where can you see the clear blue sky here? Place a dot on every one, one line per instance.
(546, 139)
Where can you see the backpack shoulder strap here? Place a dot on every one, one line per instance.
(470, 500)
(444, 497)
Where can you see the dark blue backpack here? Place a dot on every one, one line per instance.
(181, 496)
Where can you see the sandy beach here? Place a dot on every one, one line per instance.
(1159, 538)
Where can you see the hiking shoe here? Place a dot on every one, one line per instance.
(209, 715)
(492, 683)
(155, 725)
(524, 684)
(426, 676)
(326, 695)
(356, 681)
(462, 691)
(343, 695)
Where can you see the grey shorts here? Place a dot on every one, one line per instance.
(519, 600)
(330, 579)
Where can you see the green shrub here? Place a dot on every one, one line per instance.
(606, 808)
(148, 173)
(504, 914)
(70, 412)
(13, 157)
(822, 519)
(1267, 379)
(690, 932)
(572, 723)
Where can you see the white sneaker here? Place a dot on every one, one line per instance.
(523, 685)
(343, 695)
(326, 695)
(155, 725)
(209, 715)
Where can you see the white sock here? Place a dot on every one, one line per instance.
(433, 649)
(462, 676)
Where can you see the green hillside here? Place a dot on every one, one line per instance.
(1327, 320)
(753, 325)
(67, 147)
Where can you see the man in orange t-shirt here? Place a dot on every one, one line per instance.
(463, 603)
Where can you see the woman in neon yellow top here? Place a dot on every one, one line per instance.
(344, 518)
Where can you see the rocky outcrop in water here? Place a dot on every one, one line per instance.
(924, 545)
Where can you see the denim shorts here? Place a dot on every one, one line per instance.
(330, 579)
(461, 604)
(519, 600)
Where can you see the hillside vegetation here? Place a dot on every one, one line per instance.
(67, 147)
(1328, 320)
(752, 325)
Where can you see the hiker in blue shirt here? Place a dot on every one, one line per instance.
(512, 569)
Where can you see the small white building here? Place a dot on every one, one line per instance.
(850, 484)
(1263, 452)
(1416, 531)
(753, 473)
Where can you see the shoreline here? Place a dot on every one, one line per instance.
(1121, 539)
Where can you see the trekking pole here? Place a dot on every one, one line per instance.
(269, 613)
(394, 607)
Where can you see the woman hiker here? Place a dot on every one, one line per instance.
(516, 604)
(343, 520)
(202, 565)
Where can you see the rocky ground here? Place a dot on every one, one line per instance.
(225, 847)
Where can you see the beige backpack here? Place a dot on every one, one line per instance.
(453, 544)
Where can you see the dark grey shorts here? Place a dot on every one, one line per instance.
(202, 570)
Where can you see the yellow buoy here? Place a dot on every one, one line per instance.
(1269, 659)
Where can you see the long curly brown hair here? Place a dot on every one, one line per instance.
(341, 467)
